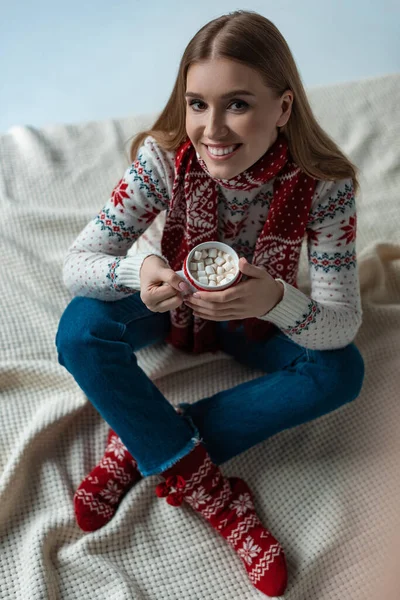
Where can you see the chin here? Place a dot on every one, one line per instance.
(224, 171)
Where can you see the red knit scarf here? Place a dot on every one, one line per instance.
(192, 218)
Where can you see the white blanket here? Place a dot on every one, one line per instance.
(329, 490)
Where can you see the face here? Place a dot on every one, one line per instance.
(231, 115)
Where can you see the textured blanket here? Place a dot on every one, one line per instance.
(329, 490)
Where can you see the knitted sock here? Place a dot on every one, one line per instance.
(100, 493)
(227, 505)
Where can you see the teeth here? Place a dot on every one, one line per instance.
(221, 151)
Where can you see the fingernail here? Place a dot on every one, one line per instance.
(196, 295)
(182, 286)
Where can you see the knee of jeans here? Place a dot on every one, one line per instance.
(343, 372)
(81, 323)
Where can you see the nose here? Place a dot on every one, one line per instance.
(215, 126)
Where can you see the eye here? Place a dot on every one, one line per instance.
(197, 105)
(241, 105)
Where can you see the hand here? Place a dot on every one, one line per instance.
(252, 298)
(161, 289)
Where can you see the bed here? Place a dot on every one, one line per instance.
(329, 489)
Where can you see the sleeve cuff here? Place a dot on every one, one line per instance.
(290, 309)
(128, 272)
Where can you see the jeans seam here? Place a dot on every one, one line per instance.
(124, 324)
(137, 317)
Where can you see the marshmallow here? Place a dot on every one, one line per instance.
(213, 267)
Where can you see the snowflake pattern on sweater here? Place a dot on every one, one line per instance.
(97, 264)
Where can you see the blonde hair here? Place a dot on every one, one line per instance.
(255, 41)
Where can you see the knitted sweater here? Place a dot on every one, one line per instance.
(97, 264)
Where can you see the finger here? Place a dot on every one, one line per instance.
(167, 305)
(179, 284)
(214, 311)
(158, 293)
(250, 270)
(210, 306)
(228, 317)
(232, 293)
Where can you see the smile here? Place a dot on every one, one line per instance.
(222, 153)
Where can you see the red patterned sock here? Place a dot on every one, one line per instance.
(100, 493)
(227, 504)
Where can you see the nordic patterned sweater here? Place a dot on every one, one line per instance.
(97, 264)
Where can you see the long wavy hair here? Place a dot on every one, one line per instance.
(255, 41)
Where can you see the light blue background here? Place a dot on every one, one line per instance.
(76, 61)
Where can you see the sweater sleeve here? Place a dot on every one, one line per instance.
(96, 264)
(330, 317)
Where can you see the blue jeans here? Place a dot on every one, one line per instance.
(97, 341)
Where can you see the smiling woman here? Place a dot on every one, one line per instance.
(236, 157)
(230, 126)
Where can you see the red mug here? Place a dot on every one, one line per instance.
(194, 284)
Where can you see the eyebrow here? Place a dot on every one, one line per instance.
(229, 95)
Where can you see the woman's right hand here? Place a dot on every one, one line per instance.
(161, 289)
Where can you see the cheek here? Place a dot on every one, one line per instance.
(192, 128)
(244, 125)
(252, 126)
(262, 126)
(187, 124)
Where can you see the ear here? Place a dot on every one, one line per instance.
(286, 108)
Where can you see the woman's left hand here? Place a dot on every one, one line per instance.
(252, 298)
